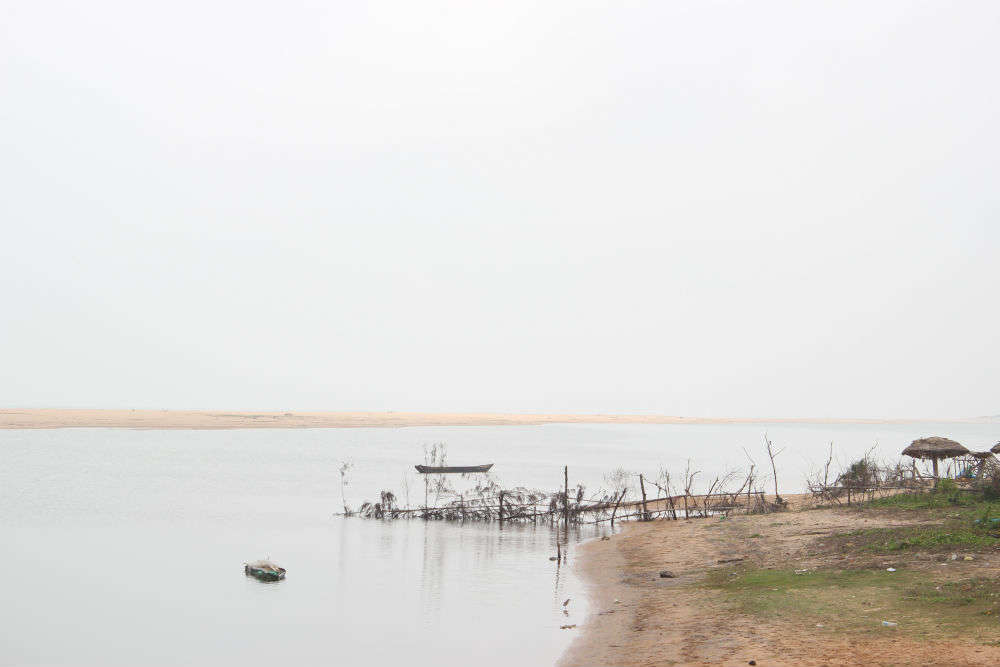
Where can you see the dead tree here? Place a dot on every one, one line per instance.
(774, 470)
(688, 483)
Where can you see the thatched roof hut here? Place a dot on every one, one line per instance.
(995, 448)
(986, 464)
(935, 449)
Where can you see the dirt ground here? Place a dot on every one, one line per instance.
(641, 619)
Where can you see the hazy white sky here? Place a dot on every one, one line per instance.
(691, 208)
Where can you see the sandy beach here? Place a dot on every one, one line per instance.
(641, 619)
(219, 419)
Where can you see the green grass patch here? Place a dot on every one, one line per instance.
(962, 535)
(947, 495)
(857, 601)
(964, 524)
(981, 594)
(928, 500)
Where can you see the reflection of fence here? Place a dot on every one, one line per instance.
(489, 502)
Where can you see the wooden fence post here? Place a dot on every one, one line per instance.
(645, 512)
(615, 510)
(566, 494)
(426, 491)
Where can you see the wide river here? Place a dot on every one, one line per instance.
(126, 547)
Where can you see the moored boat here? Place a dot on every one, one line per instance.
(264, 570)
(427, 470)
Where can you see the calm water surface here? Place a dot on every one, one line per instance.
(126, 547)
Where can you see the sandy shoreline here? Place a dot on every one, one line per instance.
(638, 618)
(31, 418)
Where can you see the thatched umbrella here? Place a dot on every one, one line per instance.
(935, 449)
(995, 448)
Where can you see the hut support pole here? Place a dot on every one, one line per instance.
(934, 461)
(501, 507)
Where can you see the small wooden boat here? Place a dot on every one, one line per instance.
(264, 570)
(437, 470)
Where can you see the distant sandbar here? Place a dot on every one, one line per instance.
(210, 419)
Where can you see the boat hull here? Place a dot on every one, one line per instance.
(445, 470)
(264, 575)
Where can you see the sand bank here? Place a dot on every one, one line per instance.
(219, 419)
